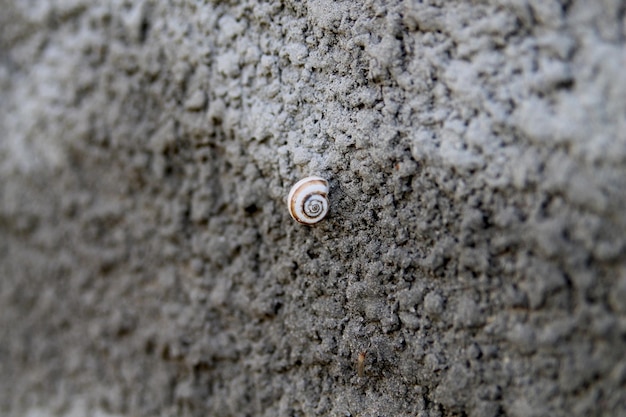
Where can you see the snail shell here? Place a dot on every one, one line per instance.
(308, 200)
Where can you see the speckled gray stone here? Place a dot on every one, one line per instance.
(475, 247)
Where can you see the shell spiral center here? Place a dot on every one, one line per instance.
(315, 205)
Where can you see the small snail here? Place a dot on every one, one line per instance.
(308, 200)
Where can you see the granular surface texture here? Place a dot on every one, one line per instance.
(473, 262)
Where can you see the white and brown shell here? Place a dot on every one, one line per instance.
(308, 200)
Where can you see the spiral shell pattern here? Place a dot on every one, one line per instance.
(308, 200)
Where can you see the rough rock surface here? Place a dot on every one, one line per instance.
(476, 244)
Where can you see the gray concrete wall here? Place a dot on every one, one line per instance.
(475, 249)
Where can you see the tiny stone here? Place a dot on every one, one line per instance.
(196, 101)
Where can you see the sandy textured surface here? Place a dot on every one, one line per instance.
(475, 248)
